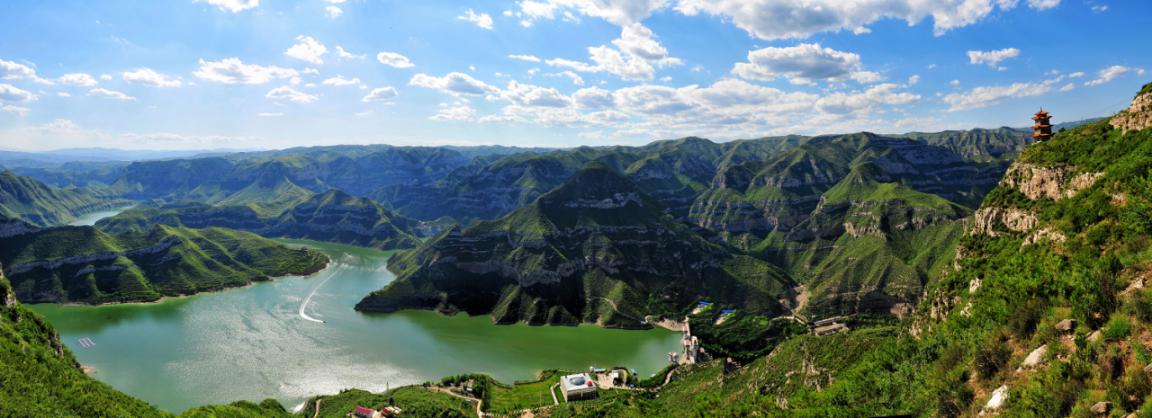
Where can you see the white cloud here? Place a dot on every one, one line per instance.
(522, 57)
(380, 94)
(883, 94)
(1077, 74)
(455, 83)
(110, 94)
(63, 133)
(593, 98)
(333, 11)
(234, 6)
(307, 49)
(150, 77)
(285, 93)
(10, 70)
(866, 77)
(775, 19)
(18, 110)
(233, 71)
(77, 79)
(986, 96)
(576, 79)
(340, 81)
(619, 12)
(269, 114)
(1111, 73)
(63, 94)
(482, 20)
(801, 64)
(1043, 4)
(637, 40)
(914, 80)
(342, 53)
(533, 96)
(459, 111)
(992, 58)
(106, 77)
(393, 59)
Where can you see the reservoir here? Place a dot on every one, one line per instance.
(264, 341)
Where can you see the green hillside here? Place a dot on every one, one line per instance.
(332, 216)
(596, 249)
(39, 204)
(87, 265)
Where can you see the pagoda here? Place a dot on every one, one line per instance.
(1042, 130)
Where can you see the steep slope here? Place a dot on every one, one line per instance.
(85, 264)
(596, 249)
(39, 376)
(40, 204)
(332, 216)
(861, 219)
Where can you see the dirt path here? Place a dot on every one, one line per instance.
(552, 390)
(479, 403)
(317, 414)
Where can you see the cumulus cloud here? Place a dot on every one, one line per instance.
(576, 79)
(992, 58)
(1111, 73)
(985, 96)
(801, 64)
(775, 19)
(234, 6)
(482, 20)
(13, 94)
(110, 94)
(150, 77)
(333, 11)
(455, 83)
(307, 49)
(77, 79)
(531, 95)
(340, 81)
(883, 94)
(380, 94)
(10, 70)
(285, 93)
(593, 98)
(639, 41)
(393, 59)
(234, 71)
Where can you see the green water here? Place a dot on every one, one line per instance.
(252, 343)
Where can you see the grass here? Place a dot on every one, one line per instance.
(524, 395)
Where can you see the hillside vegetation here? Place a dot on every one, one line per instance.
(39, 204)
(87, 265)
(596, 249)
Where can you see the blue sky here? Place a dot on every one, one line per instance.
(208, 74)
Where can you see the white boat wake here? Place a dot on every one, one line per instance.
(309, 299)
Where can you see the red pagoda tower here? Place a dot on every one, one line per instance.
(1042, 130)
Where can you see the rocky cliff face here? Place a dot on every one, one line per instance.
(594, 250)
(1139, 114)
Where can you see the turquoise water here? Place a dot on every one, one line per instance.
(254, 343)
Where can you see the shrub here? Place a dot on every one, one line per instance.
(1118, 327)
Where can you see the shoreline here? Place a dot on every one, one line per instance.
(169, 298)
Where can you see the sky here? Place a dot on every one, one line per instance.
(264, 74)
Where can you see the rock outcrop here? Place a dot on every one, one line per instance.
(1139, 114)
(1054, 183)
